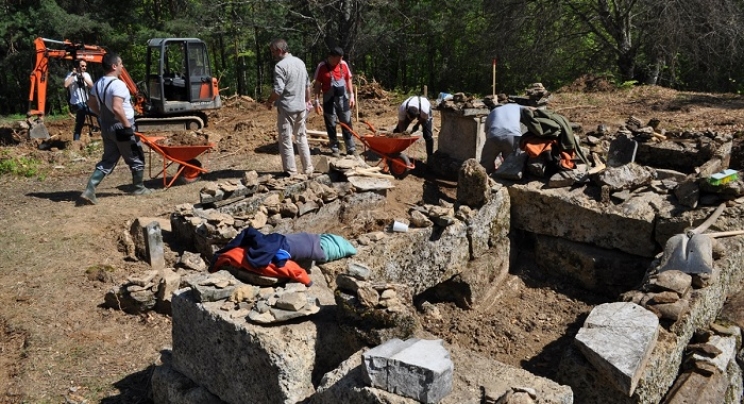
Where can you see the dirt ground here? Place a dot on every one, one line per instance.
(58, 345)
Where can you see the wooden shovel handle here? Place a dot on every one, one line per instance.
(708, 222)
(725, 233)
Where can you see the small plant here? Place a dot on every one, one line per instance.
(21, 166)
(627, 85)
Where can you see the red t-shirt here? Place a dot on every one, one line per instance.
(325, 75)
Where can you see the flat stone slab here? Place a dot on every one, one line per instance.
(617, 339)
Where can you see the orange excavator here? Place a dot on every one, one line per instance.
(178, 88)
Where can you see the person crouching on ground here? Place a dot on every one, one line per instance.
(333, 77)
(110, 101)
(417, 109)
(291, 94)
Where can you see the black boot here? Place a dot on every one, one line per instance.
(89, 195)
(139, 186)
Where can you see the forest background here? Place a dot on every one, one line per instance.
(445, 45)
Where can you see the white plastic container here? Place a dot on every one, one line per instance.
(400, 227)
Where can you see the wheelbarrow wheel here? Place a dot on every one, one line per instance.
(189, 175)
(398, 165)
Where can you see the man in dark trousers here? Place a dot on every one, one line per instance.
(333, 78)
(110, 101)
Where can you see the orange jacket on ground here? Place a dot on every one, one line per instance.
(236, 257)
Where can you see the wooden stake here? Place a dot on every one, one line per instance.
(356, 104)
(494, 77)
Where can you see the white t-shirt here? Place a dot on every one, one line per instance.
(78, 94)
(504, 121)
(421, 103)
(116, 89)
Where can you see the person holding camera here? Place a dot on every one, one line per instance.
(78, 82)
(110, 100)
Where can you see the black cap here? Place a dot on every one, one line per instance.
(337, 51)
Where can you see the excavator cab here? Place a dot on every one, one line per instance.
(179, 83)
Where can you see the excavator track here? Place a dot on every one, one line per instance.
(177, 123)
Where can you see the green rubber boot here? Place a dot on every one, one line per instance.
(89, 195)
(139, 186)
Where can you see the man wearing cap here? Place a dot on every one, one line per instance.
(417, 108)
(333, 78)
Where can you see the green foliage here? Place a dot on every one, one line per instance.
(21, 166)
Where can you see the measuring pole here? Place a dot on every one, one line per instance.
(494, 77)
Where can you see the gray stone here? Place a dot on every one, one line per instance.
(561, 179)
(693, 387)
(212, 287)
(622, 151)
(420, 369)
(192, 261)
(170, 282)
(293, 301)
(627, 176)
(154, 245)
(512, 168)
(472, 184)
(673, 280)
(727, 347)
(359, 271)
(617, 339)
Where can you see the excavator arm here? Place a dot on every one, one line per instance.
(66, 50)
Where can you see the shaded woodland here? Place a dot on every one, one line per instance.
(446, 45)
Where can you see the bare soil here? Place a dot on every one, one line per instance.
(57, 344)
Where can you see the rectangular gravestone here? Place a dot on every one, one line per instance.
(622, 151)
(154, 245)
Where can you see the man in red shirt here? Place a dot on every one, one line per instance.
(333, 78)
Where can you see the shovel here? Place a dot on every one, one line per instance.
(692, 252)
(38, 130)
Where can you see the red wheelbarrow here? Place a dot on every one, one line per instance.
(189, 168)
(390, 149)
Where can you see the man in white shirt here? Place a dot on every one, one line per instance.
(110, 100)
(78, 82)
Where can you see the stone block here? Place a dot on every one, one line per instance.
(462, 135)
(416, 368)
(617, 339)
(569, 214)
(154, 245)
(241, 362)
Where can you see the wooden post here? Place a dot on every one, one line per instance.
(356, 104)
(494, 77)
(426, 91)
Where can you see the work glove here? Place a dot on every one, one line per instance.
(124, 134)
(415, 127)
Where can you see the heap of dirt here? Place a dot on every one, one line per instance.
(370, 90)
(588, 83)
(185, 139)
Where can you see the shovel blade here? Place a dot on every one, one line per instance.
(690, 255)
(38, 131)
